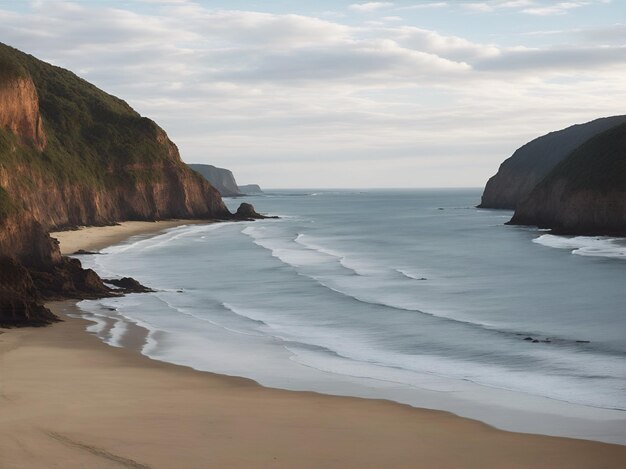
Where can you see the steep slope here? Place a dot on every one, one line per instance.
(220, 178)
(585, 193)
(71, 154)
(519, 174)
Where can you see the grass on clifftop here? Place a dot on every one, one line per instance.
(90, 133)
(10, 67)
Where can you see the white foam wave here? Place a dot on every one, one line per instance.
(597, 246)
(164, 238)
(306, 242)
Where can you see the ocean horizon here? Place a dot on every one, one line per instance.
(412, 295)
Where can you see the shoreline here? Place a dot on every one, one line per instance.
(95, 238)
(102, 406)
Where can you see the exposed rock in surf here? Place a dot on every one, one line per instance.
(128, 285)
(247, 212)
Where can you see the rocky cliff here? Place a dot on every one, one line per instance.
(585, 193)
(220, 178)
(250, 189)
(519, 174)
(71, 154)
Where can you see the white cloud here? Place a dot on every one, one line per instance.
(478, 6)
(247, 89)
(560, 8)
(369, 6)
(421, 6)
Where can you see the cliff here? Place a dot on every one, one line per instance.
(519, 174)
(220, 178)
(71, 154)
(250, 189)
(585, 193)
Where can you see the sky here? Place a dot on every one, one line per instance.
(294, 93)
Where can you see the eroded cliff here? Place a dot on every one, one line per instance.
(71, 154)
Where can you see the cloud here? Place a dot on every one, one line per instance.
(560, 8)
(250, 89)
(369, 6)
(477, 6)
(421, 6)
(450, 47)
(555, 59)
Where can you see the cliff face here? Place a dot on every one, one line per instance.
(250, 189)
(71, 154)
(585, 193)
(520, 174)
(220, 178)
(19, 112)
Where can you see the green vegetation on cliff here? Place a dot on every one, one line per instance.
(72, 154)
(89, 132)
(10, 66)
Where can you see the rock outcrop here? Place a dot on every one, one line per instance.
(220, 178)
(519, 174)
(247, 212)
(585, 193)
(250, 189)
(71, 154)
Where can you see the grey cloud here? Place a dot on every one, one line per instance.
(364, 60)
(450, 47)
(556, 59)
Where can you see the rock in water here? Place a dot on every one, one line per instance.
(128, 285)
(247, 212)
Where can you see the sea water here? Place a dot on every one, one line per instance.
(411, 295)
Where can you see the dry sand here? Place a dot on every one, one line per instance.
(94, 238)
(68, 401)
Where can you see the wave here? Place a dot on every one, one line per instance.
(166, 237)
(346, 354)
(596, 246)
(341, 257)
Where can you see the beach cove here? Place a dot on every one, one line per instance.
(68, 400)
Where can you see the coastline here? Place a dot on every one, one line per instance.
(94, 238)
(69, 398)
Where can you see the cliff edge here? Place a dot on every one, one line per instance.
(71, 154)
(519, 174)
(220, 178)
(585, 193)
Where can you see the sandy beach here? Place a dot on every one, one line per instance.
(94, 238)
(68, 400)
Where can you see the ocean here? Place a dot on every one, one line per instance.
(410, 295)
